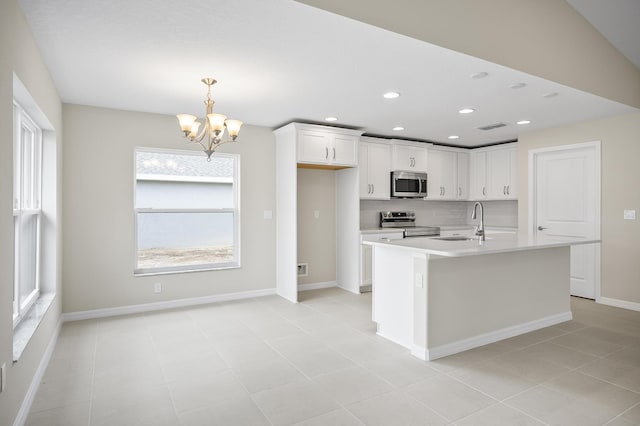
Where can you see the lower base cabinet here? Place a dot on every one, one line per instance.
(366, 261)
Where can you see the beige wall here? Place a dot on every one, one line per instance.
(317, 236)
(99, 235)
(545, 38)
(19, 55)
(620, 144)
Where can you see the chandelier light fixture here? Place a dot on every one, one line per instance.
(210, 137)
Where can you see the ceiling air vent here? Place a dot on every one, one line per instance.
(492, 126)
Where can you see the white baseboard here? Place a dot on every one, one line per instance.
(316, 286)
(23, 412)
(350, 290)
(619, 303)
(486, 338)
(169, 304)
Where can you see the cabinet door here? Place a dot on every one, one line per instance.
(463, 176)
(363, 170)
(313, 147)
(365, 265)
(343, 150)
(478, 178)
(409, 158)
(497, 174)
(442, 175)
(380, 171)
(420, 158)
(512, 189)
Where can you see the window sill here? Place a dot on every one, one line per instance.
(29, 324)
(144, 273)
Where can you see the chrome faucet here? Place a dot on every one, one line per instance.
(479, 229)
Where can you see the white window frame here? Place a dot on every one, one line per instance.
(26, 204)
(235, 263)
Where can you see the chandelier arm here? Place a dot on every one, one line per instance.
(202, 132)
(200, 143)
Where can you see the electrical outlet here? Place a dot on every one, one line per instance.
(3, 376)
(629, 215)
(316, 214)
(157, 288)
(303, 269)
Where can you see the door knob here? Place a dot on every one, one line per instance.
(541, 228)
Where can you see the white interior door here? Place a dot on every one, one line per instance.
(566, 203)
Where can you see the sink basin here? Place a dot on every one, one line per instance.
(455, 238)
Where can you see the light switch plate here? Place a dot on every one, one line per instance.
(629, 215)
(268, 214)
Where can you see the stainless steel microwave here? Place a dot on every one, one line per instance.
(408, 185)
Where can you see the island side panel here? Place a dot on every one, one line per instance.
(475, 300)
(392, 287)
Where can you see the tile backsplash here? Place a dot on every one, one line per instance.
(440, 213)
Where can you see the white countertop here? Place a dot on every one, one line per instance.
(380, 230)
(465, 228)
(495, 243)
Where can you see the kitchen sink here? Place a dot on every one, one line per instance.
(455, 238)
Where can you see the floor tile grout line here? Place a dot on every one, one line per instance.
(506, 405)
(93, 374)
(621, 415)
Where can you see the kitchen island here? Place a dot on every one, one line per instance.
(439, 297)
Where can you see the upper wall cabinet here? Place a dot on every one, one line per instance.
(327, 146)
(502, 175)
(448, 174)
(409, 156)
(463, 176)
(375, 169)
(442, 179)
(478, 175)
(494, 173)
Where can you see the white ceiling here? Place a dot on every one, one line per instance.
(277, 61)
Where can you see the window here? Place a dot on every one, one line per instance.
(186, 211)
(27, 171)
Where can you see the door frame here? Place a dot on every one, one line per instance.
(532, 190)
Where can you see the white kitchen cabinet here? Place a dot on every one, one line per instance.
(502, 173)
(375, 169)
(410, 157)
(366, 261)
(478, 175)
(463, 176)
(442, 170)
(327, 146)
(311, 140)
(448, 174)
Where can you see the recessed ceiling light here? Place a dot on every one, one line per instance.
(391, 95)
(550, 95)
(453, 137)
(524, 122)
(478, 75)
(398, 128)
(518, 86)
(466, 110)
(331, 119)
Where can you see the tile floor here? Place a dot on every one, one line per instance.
(266, 361)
